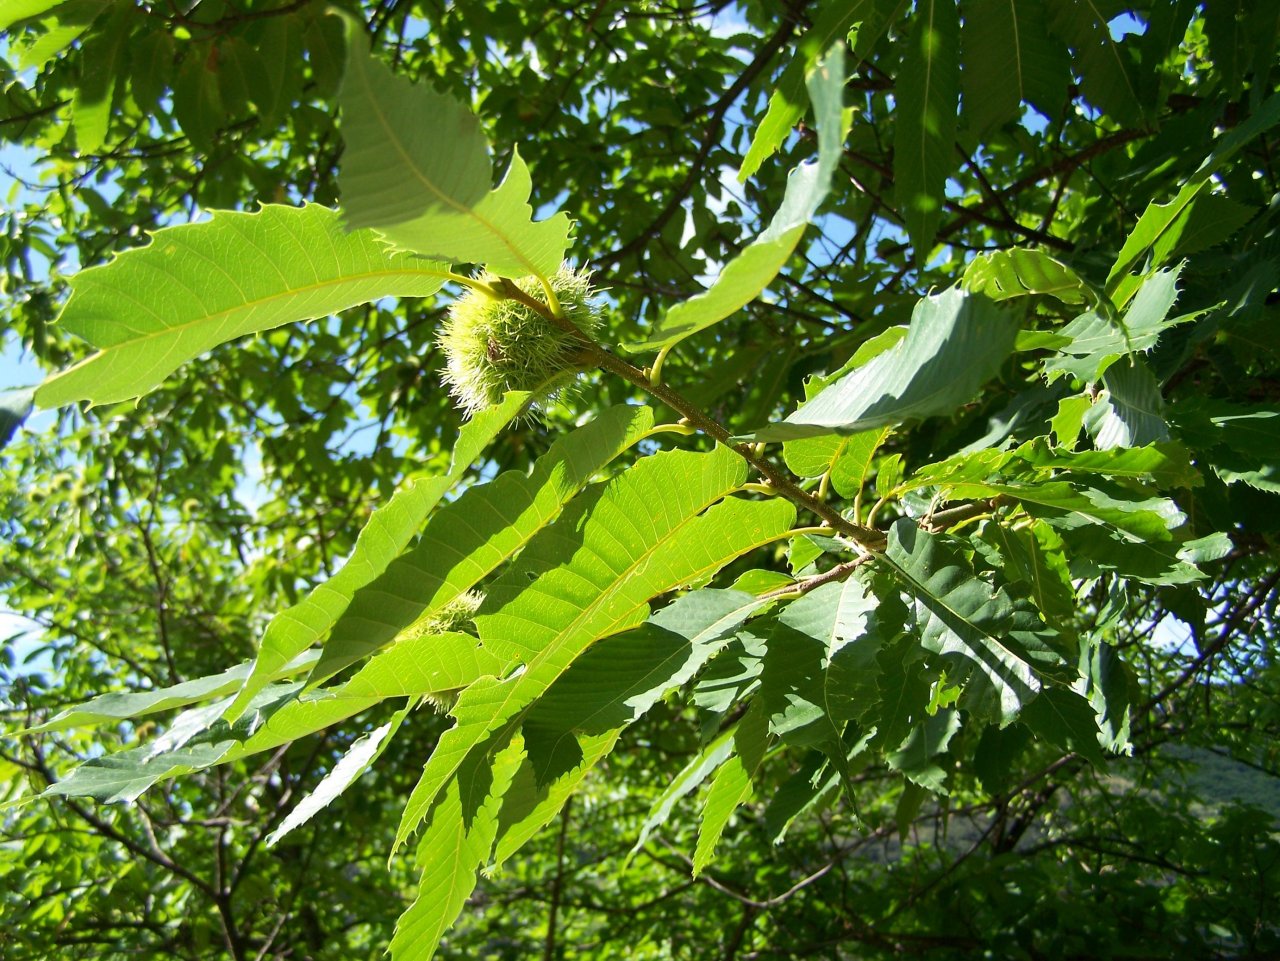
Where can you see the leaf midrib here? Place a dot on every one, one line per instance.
(1112, 47)
(927, 592)
(1017, 49)
(248, 305)
(928, 89)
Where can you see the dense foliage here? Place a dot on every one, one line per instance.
(878, 559)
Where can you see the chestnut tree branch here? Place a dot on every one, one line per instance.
(868, 539)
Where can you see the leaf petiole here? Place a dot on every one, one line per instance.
(472, 282)
(552, 300)
(686, 429)
(655, 372)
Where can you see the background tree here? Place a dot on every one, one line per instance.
(1043, 263)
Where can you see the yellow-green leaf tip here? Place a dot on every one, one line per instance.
(494, 345)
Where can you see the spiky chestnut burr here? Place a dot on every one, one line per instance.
(496, 344)
(455, 615)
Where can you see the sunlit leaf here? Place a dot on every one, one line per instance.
(1163, 464)
(387, 533)
(688, 780)
(1209, 221)
(1109, 686)
(416, 168)
(1019, 273)
(924, 142)
(362, 753)
(16, 10)
(585, 577)
(1095, 343)
(820, 667)
(1129, 412)
(973, 625)
(125, 775)
(591, 574)
(579, 719)
(846, 458)
(108, 708)
(469, 538)
(452, 849)
(1093, 549)
(731, 676)
(151, 310)
(429, 664)
(751, 271)
(955, 344)
(1033, 556)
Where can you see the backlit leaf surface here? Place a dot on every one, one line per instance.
(387, 533)
(196, 286)
(807, 185)
(925, 130)
(955, 344)
(417, 169)
(590, 575)
(469, 538)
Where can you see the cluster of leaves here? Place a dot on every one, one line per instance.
(1006, 486)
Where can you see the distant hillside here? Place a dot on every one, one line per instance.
(1220, 779)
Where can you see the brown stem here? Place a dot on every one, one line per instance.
(937, 521)
(1230, 625)
(557, 886)
(807, 584)
(592, 354)
(734, 942)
